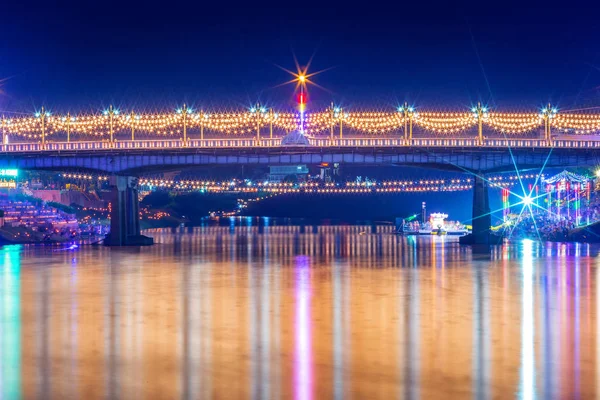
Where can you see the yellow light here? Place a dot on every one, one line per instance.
(302, 78)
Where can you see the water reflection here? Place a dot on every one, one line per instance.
(299, 312)
(10, 323)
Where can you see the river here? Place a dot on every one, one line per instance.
(299, 312)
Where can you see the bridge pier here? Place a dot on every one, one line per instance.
(482, 219)
(125, 214)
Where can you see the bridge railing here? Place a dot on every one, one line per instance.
(245, 143)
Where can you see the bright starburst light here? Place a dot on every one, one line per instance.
(302, 78)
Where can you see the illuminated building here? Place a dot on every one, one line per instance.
(278, 173)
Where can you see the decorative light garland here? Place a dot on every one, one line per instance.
(416, 185)
(246, 122)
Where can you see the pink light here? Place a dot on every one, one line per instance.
(303, 352)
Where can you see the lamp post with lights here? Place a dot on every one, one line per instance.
(184, 111)
(271, 117)
(480, 113)
(331, 113)
(258, 110)
(132, 117)
(43, 114)
(202, 116)
(3, 130)
(338, 113)
(408, 113)
(68, 121)
(111, 112)
(548, 115)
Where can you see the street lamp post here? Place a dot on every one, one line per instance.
(3, 131)
(257, 112)
(111, 112)
(132, 118)
(405, 109)
(409, 113)
(68, 127)
(331, 113)
(185, 111)
(43, 120)
(341, 118)
(548, 114)
(201, 125)
(270, 123)
(480, 114)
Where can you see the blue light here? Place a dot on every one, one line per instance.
(554, 110)
(474, 109)
(179, 111)
(263, 110)
(253, 110)
(485, 109)
(105, 112)
(400, 109)
(411, 109)
(37, 114)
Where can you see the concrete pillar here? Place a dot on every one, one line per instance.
(482, 220)
(124, 217)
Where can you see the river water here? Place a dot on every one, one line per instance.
(299, 313)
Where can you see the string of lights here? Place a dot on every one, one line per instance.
(243, 122)
(422, 185)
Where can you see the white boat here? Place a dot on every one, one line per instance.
(437, 225)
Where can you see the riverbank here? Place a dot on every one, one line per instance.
(23, 235)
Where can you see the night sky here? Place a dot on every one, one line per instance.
(84, 56)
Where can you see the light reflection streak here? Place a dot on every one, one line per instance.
(546, 333)
(577, 322)
(302, 355)
(10, 323)
(481, 335)
(338, 331)
(73, 328)
(527, 325)
(597, 332)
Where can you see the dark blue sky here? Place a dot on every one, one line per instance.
(84, 56)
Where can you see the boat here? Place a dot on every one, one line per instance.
(437, 225)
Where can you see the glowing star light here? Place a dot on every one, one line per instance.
(301, 76)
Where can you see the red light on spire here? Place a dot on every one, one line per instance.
(301, 98)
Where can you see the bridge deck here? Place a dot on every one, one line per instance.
(246, 143)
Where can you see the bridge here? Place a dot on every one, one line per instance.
(133, 157)
(127, 145)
